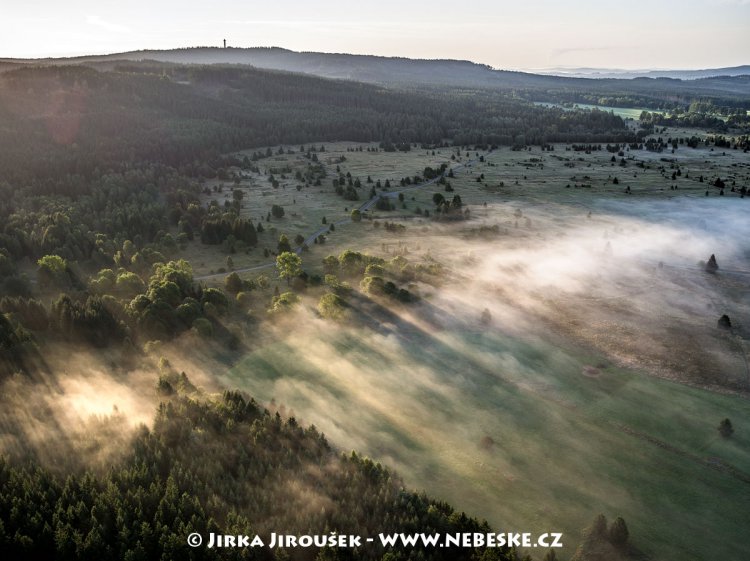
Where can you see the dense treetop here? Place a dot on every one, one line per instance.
(220, 465)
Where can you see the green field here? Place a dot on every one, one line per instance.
(566, 445)
(536, 429)
(562, 176)
(624, 112)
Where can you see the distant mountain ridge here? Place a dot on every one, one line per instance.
(742, 70)
(361, 68)
(407, 73)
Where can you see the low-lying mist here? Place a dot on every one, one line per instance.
(567, 361)
(546, 409)
(77, 411)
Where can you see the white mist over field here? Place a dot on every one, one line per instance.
(549, 409)
(535, 418)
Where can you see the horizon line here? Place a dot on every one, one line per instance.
(532, 70)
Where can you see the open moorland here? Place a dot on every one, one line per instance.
(599, 380)
(239, 300)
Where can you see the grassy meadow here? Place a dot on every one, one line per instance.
(505, 176)
(541, 428)
(529, 434)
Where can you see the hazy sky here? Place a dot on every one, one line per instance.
(521, 34)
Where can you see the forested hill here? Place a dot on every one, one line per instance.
(361, 68)
(405, 72)
(72, 120)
